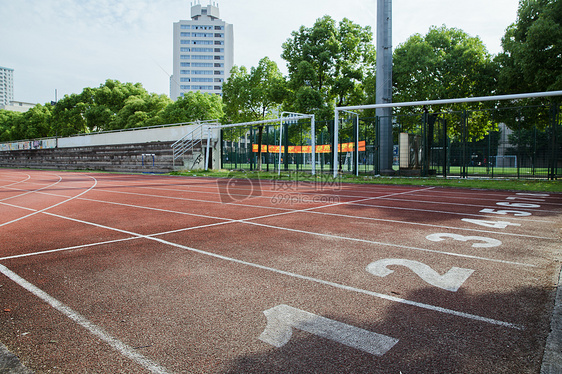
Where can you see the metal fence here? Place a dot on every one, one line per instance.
(525, 142)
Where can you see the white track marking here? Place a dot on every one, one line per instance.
(283, 318)
(303, 277)
(100, 333)
(395, 245)
(73, 248)
(312, 211)
(452, 280)
(29, 192)
(52, 206)
(249, 221)
(14, 183)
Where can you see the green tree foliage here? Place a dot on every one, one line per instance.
(9, 122)
(193, 106)
(532, 49)
(327, 65)
(531, 61)
(445, 63)
(252, 96)
(113, 105)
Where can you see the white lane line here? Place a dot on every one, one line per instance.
(356, 202)
(52, 206)
(249, 221)
(76, 247)
(29, 192)
(97, 331)
(392, 245)
(436, 226)
(14, 183)
(303, 277)
(463, 205)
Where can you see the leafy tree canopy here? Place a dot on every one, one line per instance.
(532, 49)
(327, 65)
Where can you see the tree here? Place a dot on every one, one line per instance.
(253, 96)
(193, 106)
(327, 65)
(141, 111)
(8, 124)
(97, 109)
(532, 49)
(445, 63)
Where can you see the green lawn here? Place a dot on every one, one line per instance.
(539, 185)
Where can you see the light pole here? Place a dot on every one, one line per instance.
(384, 83)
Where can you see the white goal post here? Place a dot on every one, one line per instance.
(428, 102)
(281, 121)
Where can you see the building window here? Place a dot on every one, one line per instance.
(202, 49)
(184, 57)
(183, 87)
(185, 72)
(219, 65)
(201, 35)
(185, 64)
(219, 80)
(185, 34)
(184, 80)
(184, 41)
(219, 42)
(201, 87)
(202, 80)
(185, 27)
(217, 87)
(206, 42)
(202, 27)
(202, 72)
(219, 28)
(219, 35)
(219, 57)
(203, 57)
(202, 64)
(184, 49)
(219, 72)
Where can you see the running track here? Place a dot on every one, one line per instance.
(109, 273)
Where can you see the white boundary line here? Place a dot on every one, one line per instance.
(116, 344)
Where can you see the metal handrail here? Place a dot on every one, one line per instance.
(190, 140)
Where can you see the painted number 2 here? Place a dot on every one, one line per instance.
(450, 281)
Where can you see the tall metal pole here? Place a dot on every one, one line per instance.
(384, 82)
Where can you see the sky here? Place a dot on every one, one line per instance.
(62, 46)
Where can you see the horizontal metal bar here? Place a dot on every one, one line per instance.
(454, 101)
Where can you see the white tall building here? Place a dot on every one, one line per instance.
(6, 85)
(203, 52)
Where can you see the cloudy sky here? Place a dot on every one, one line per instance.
(66, 45)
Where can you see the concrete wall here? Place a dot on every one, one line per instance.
(146, 150)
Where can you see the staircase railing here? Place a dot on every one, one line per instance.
(192, 139)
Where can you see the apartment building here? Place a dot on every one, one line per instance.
(6, 85)
(203, 52)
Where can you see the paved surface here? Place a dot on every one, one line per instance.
(139, 273)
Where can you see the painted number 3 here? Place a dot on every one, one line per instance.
(483, 242)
